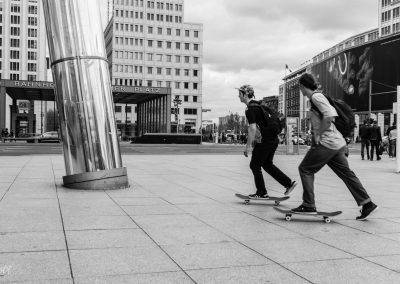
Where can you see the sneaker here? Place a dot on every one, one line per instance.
(256, 196)
(367, 211)
(378, 158)
(305, 210)
(290, 188)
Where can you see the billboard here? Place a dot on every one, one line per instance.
(346, 75)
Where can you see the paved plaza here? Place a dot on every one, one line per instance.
(180, 222)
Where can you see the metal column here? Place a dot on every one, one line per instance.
(83, 94)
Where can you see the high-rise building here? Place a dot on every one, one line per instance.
(24, 56)
(149, 44)
(389, 17)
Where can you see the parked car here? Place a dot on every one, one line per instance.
(298, 140)
(46, 137)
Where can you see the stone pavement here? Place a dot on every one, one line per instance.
(180, 223)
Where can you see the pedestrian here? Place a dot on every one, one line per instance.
(364, 134)
(375, 140)
(392, 141)
(264, 151)
(387, 134)
(328, 148)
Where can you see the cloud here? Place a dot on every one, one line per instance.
(251, 41)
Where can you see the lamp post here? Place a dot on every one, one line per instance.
(177, 102)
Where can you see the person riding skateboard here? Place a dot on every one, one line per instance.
(264, 147)
(328, 148)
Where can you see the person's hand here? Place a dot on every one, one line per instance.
(246, 151)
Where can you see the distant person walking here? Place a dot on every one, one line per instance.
(328, 148)
(375, 139)
(388, 134)
(364, 134)
(264, 148)
(392, 141)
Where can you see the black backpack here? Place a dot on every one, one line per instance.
(273, 124)
(345, 122)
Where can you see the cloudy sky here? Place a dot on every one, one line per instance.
(251, 41)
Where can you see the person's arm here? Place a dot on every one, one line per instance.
(250, 139)
(325, 124)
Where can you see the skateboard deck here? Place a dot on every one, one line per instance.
(271, 198)
(326, 215)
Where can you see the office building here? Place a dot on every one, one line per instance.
(24, 56)
(389, 17)
(149, 44)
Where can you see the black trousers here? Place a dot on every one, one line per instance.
(262, 157)
(374, 145)
(364, 144)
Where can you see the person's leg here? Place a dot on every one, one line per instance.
(362, 148)
(372, 149)
(257, 160)
(340, 167)
(313, 161)
(367, 147)
(273, 170)
(390, 149)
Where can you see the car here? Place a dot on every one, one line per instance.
(46, 137)
(298, 140)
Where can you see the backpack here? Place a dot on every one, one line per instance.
(345, 122)
(273, 124)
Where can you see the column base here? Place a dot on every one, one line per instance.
(100, 180)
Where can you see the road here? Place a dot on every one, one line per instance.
(22, 148)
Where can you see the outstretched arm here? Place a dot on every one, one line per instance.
(252, 134)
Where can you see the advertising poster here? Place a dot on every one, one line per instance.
(347, 74)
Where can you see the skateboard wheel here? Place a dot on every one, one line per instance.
(327, 220)
(288, 217)
(277, 202)
(247, 202)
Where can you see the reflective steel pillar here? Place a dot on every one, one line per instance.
(83, 94)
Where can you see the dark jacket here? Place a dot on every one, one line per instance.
(376, 133)
(365, 131)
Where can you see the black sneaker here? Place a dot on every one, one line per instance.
(367, 210)
(290, 188)
(256, 196)
(305, 210)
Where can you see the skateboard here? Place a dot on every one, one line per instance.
(271, 198)
(326, 215)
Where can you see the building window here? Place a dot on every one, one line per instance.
(187, 47)
(150, 30)
(14, 66)
(159, 70)
(186, 85)
(187, 59)
(177, 72)
(15, 31)
(32, 10)
(32, 43)
(196, 34)
(15, 42)
(178, 32)
(195, 60)
(159, 44)
(195, 73)
(185, 98)
(195, 99)
(150, 43)
(190, 111)
(177, 58)
(177, 85)
(168, 71)
(118, 109)
(195, 86)
(32, 67)
(32, 32)
(196, 46)
(14, 54)
(32, 21)
(187, 33)
(177, 45)
(186, 72)
(159, 31)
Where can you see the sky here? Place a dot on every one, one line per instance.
(250, 42)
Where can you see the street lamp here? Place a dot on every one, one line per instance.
(177, 102)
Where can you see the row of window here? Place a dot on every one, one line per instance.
(154, 43)
(150, 30)
(386, 3)
(154, 70)
(128, 109)
(16, 31)
(15, 8)
(16, 20)
(158, 84)
(156, 57)
(14, 76)
(149, 16)
(14, 66)
(14, 54)
(15, 42)
(150, 4)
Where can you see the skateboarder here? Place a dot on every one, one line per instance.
(264, 149)
(328, 148)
